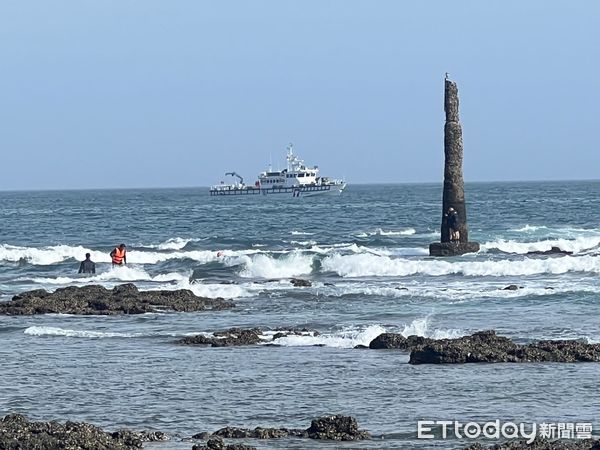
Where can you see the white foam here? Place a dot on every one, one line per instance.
(456, 291)
(301, 233)
(55, 331)
(577, 245)
(530, 228)
(293, 264)
(363, 265)
(381, 232)
(59, 253)
(420, 327)
(172, 244)
(123, 273)
(349, 337)
(303, 243)
(48, 255)
(405, 232)
(213, 290)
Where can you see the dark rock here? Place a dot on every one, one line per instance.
(153, 436)
(452, 248)
(217, 443)
(486, 346)
(337, 428)
(16, 432)
(227, 338)
(97, 300)
(279, 335)
(144, 436)
(511, 287)
(239, 336)
(454, 189)
(399, 342)
(297, 282)
(540, 444)
(205, 435)
(294, 332)
(328, 284)
(361, 347)
(257, 433)
(553, 251)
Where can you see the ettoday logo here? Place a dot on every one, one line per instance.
(444, 429)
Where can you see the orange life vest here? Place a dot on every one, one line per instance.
(118, 256)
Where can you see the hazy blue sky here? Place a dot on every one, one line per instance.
(175, 93)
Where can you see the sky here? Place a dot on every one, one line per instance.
(148, 93)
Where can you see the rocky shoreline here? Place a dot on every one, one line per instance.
(487, 347)
(331, 428)
(480, 347)
(97, 300)
(17, 432)
(234, 337)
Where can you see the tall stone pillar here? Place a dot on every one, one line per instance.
(454, 186)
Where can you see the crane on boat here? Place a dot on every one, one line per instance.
(234, 174)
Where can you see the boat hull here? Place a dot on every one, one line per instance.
(297, 191)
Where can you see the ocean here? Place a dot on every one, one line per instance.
(365, 253)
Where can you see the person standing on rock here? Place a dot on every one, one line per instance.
(452, 220)
(87, 265)
(119, 255)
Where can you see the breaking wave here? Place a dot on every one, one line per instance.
(350, 337)
(47, 255)
(59, 253)
(125, 273)
(577, 245)
(380, 232)
(55, 331)
(293, 264)
(173, 244)
(364, 265)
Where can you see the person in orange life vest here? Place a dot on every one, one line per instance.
(119, 255)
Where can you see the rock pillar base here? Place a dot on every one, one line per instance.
(452, 248)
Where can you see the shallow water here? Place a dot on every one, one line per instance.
(366, 254)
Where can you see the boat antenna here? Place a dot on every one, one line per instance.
(270, 162)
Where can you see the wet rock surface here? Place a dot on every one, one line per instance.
(17, 432)
(97, 300)
(334, 428)
(452, 248)
(553, 251)
(487, 347)
(228, 338)
(399, 342)
(540, 444)
(511, 287)
(298, 282)
(240, 336)
(217, 443)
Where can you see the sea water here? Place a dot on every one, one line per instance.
(365, 253)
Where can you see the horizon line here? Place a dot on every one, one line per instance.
(131, 188)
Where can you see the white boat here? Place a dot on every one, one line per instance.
(297, 180)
